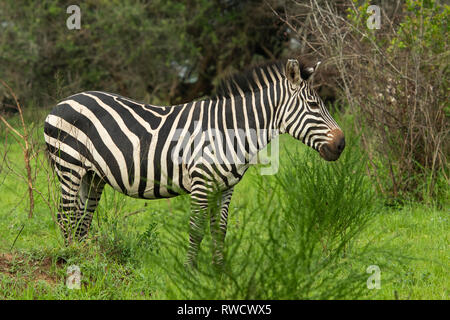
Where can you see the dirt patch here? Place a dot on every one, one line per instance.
(30, 269)
(4, 263)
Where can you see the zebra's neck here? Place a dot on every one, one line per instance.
(246, 123)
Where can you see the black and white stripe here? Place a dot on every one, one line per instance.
(202, 147)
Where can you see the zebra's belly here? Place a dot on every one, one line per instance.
(168, 190)
(150, 189)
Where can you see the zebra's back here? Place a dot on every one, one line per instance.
(117, 138)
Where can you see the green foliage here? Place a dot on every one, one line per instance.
(297, 244)
(425, 27)
(359, 16)
(158, 50)
(335, 198)
(400, 98)
(118, 239)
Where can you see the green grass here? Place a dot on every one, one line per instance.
(136, 248)
(421, 234)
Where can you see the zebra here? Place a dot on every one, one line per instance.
(202, 148)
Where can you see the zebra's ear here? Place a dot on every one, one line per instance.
(293, 71)
(308, 71)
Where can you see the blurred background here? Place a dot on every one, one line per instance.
(158, 51)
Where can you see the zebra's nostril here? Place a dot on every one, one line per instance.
(341, 145)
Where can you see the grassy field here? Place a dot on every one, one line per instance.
(136, 248)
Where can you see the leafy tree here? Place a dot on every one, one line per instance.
(159, 51)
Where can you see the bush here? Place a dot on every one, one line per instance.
(118, 238)
(395, 81)
(297, 243)
(403, 98)
(156, 50)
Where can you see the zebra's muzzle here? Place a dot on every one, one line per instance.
(332, 150)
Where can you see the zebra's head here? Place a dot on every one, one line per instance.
(305, 116)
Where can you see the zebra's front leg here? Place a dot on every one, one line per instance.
(199, 213)
(218, 226)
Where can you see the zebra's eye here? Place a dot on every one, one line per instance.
(313, 105)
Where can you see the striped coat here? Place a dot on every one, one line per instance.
(202, 147)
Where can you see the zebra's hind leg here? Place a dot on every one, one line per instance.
(70, 181)
(88, 198)
(80, 196)
(218, 226)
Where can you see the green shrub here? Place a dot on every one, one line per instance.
(395, 81)
(297, 244)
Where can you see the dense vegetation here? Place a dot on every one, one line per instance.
(163, 51)
(310, 231)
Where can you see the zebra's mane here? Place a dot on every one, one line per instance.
(247, 80)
